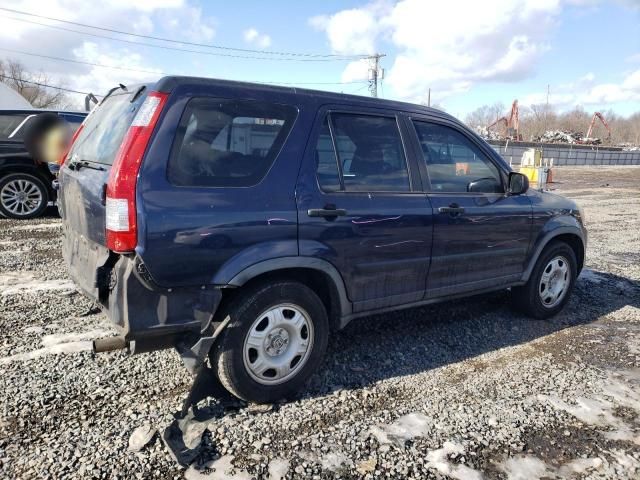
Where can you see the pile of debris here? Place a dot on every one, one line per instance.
(566, 136)
(629, 147)
(487, 134)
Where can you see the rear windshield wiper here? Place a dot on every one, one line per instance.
(120, 86)
(78, 164)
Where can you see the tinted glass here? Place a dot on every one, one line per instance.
(105, 129)
(327, 166)
(370, 151)
(228, 143)
(454, 163)
(8, 123)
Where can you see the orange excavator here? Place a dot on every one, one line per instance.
(511, 124)
(599, 116)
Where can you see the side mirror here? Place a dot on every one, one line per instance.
(518, 183)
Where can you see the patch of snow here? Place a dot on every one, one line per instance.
(221, 469)
(57, 349)
(579, 466)
(524, 467)
(403, 429)
(15, 283)
(439, 459)
(278, 468)
(140, 437)
(56, 339)
(334, 461)
(619, 389)
(34, 329)
(530, 467)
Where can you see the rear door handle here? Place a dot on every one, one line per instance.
(453, 209)
(326, 212)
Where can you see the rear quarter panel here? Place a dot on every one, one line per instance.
(189, 234)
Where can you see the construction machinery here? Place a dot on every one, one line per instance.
(588, 138)
(511, 124)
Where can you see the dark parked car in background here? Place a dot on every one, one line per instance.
(246, 222)
(25, 182)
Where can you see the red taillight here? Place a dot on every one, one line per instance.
(121, 221)
(63, 158)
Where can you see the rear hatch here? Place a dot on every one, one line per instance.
(83, 184)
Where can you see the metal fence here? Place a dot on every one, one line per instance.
(568, 154)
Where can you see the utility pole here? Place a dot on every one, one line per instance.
(375, 73)
(429, 98)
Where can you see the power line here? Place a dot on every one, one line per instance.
(43, 84)
(154, 72)
(183, 42)
(80, 62)
(165, 47)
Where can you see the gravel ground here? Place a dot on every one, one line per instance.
(462, 390)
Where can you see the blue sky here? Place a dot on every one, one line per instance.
(470, 53)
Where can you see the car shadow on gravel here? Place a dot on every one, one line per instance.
(416, 340)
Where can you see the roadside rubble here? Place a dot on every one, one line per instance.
(460, 390)
(566, 136)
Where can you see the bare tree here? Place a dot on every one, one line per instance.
(15, 75)
(538, 118)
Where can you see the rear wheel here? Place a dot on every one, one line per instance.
(22, 196)
(275, 340)
(550, 283)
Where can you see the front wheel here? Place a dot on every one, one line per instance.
(550, 283)
(275, 340)
(22, 196)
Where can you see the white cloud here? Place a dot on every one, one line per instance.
(635, 58)
(585, 91)
(351, 31)
(254, 37)
(167, 18)
(448, 46)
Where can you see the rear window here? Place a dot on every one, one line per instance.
(228, 143)
(105, 129)
(8, 125)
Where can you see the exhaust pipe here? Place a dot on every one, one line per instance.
(109, 344)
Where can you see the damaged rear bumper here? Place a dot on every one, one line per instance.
(147, 316)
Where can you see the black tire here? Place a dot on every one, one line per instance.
(36, 211)
(527, 298)
(228, 358)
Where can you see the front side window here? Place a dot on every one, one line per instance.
(369, 151)
(454, 163)
(228, 143)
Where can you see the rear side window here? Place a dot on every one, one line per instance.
(228, 143)
(370, 154)
(105, 129)
(8, 125)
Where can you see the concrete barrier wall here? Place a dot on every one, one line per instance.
(568, 154)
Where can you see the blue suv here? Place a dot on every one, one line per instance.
(244, 223)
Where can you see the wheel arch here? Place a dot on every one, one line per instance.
(319, 275)
(572, 236)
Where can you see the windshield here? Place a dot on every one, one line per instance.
(105, 129)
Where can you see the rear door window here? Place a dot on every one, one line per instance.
(370, 154)
(105, 128)
(227, 142)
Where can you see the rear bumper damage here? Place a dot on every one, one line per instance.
(147, 316)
